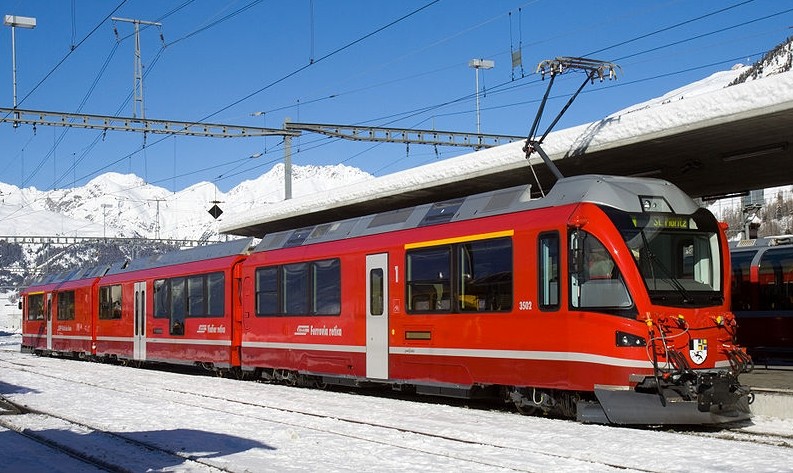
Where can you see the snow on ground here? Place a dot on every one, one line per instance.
(279, 428)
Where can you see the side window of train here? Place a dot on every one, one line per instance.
(309, 288)
(326, 287)
(473, 276)
(776, 279)
(548, 280)
(595, 281)
(35, 307)
(216, 294)
(428, 279)
(267, 291)
(377, 286)
(295, 289)
(110, 302)
(162, 298)
(484, 274)
(65, 305)
(199, 295)
(741, 282)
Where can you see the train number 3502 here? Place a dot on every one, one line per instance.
(524, 305)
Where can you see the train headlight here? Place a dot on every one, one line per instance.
(625, 339)
(652, 203)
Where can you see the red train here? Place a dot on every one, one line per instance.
(607, 300)
(762, 297)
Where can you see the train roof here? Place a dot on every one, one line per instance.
(613, 191)
(199, 253)
(73, 274)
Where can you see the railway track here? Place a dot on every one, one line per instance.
(98, 448)
(741, 434)
(470, 452)
(443, 441)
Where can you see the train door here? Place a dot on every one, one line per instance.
(139, 341)
(49, 320)
(377, 316)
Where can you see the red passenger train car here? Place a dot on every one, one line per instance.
(607, 301)
(59, 312)
(762, 297)
(174, 308)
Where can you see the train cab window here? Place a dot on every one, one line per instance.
(548, 280)
(686, 254)
(678, 256)
(65, 305)
(35, 307)
(595, 281)
(110, 302)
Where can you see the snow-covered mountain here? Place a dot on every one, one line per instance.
(776, 61)
(125, 205)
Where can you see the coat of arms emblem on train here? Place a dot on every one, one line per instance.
(698, 350)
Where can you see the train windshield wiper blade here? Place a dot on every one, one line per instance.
(669, 276)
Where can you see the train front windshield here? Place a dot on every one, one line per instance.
(679, 256)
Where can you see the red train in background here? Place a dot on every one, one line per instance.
(762, 297)
(607, 301)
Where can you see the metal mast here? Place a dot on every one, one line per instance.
(138, 109)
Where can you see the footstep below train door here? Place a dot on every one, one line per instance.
(377, 316)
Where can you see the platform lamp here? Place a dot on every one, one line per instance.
(479, 64)
(17, 22)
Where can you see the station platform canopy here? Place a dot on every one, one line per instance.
(717, 143)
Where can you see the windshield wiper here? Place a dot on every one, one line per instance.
(669, 276)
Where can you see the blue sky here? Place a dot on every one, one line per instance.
(379, 63)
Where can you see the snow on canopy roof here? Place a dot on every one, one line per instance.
(653, 122)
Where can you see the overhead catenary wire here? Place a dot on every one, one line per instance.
(494, 89)
(95, 82)
(326, 56)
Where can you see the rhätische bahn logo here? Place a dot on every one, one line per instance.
(698, 350)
